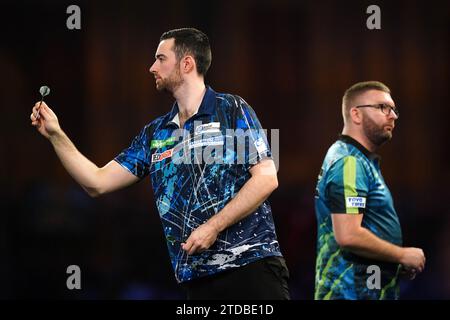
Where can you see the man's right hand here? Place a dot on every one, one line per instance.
(44, 119)
(96, 181)
(413, 259)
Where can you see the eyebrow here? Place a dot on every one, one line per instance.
(160, 55)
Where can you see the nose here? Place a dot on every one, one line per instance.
(392, 114)
(152, 68)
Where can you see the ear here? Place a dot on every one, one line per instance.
(356, 115)
(188, 64)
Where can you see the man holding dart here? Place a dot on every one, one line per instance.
(217, 222)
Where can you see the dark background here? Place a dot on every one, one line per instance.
(291, 60)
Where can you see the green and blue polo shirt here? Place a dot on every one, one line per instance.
(350, 182)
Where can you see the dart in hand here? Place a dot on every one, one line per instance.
(44, 91)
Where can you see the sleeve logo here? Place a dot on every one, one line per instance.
(355, 202)
(261, 146)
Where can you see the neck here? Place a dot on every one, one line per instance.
(189, 97)
(360, 137)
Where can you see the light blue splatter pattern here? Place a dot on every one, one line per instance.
(188, 194)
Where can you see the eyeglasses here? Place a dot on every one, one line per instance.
(384, 107)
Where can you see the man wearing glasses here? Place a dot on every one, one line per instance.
(359, 249)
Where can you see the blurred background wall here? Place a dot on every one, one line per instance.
(291, 60)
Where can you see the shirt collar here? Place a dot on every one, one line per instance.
(370, 155)
(175, 120)
(207, 107)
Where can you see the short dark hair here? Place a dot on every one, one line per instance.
(357, 89)
(191, 41)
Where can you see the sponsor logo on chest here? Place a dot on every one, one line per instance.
(162, 143)
(207, 128)
(156, 157)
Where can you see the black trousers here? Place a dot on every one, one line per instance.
(265, 279)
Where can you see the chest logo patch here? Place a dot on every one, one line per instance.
(162, 143)
(156, 157)
(207, 128)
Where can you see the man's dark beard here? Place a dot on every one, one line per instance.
(172, 83)
(375, 133)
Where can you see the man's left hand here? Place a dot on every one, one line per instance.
(200, 239)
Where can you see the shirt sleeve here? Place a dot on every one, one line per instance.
(136, 158)
(252, 145)
(347, 186)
